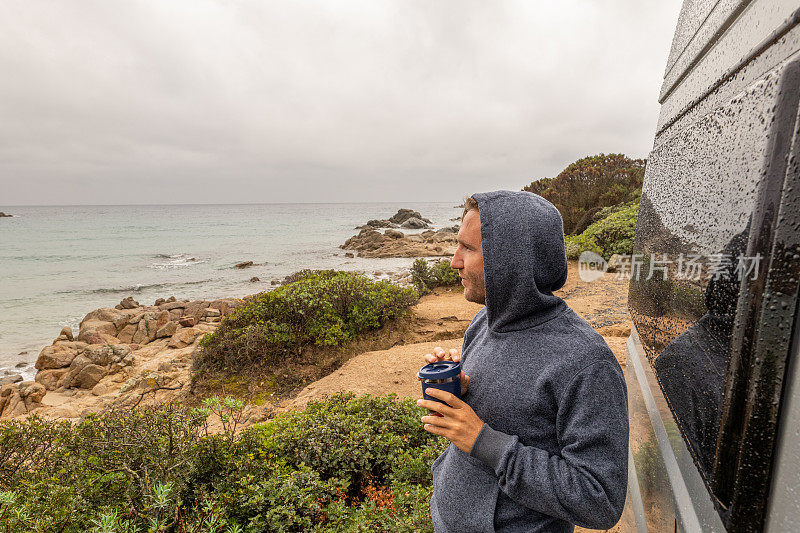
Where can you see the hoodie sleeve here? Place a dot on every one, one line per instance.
(585, 482)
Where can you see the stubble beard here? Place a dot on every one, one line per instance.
(471, 293)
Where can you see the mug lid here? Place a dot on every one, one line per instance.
(440, 370)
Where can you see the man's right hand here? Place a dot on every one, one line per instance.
(439, 354)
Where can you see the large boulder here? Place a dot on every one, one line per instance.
(404, 214)
(20, 398)
(89, 376)
(91, 327)
(128, 303)
(413, 223)
(51, 378)
(167, 330)
(90, 364)
(58, 355)
(184, 337)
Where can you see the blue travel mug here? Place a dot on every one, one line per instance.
(444, 375)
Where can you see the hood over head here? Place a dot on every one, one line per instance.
(524, 260)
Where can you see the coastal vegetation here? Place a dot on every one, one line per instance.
(612, 233)
(425, 276)
(590, 184)
(344, 464)
(315, 307)
(598, 198)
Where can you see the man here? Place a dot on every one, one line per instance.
(540, 440)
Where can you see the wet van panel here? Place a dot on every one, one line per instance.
(716, 269)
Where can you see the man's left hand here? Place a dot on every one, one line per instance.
(458, 422)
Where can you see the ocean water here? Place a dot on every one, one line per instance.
(59, 263)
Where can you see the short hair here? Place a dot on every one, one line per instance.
(470, 203)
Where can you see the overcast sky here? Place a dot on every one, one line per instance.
(160, 102)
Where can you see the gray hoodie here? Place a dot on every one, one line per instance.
(553, 451)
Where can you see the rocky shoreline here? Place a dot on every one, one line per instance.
(123, 354)
(119, 355)
(370, 242)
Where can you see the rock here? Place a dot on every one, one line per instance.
(452, 229)
(102, 388)
(50, 378)
(162, 319)
(381, 224)
(21, 364)
(89, 376)
(254, 279)
(147, 328)
(3, 215)
(129, 303)
(349, 254)
(184, 337)
(134, 318)
(211, 312)
(126, 335)
(20, 398)
(13, 378)
(167, 330)
(31, 391)
(413, 223)
(244, 264)
(223, 306)
(90, 327)
(404, 214)
(169, 306)
(394, 234)
(66, 331)
(371, 243)
(100, 355)
(159, 301)
(187, 321)
(58, 355)
(196, 309)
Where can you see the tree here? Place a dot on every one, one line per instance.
(590, 184)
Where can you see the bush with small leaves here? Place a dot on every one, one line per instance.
(322, 308)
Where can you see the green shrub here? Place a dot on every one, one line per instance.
(426, 276)
(615, 233)
(344, 464)
(577, 244)
(612, 234)
(323, 308)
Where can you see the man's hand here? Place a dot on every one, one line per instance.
(439, 354)
(458, 422)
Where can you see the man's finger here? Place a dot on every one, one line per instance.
(446, 397)
(436, 430)
(454, 355)
(439, 407)
(436, 421)
(429, 357)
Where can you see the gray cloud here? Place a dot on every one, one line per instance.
(181, 102)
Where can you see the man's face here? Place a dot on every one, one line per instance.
(468, 259)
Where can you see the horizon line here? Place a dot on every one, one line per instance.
(238, 203)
